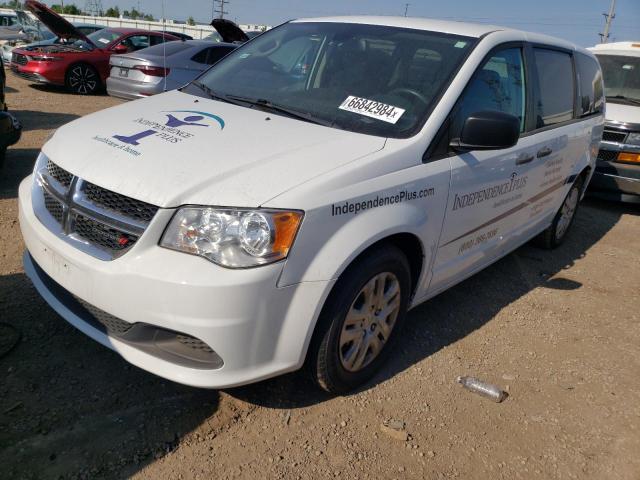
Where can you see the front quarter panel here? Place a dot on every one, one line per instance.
(341, 221)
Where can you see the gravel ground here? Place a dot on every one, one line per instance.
(558, 330)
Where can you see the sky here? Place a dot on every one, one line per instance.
(579, 21)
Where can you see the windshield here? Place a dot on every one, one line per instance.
(377, 80)
(621, 78)
(101, 38)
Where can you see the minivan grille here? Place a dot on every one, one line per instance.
(120, 204)
(610, 135)
(54, 207)
(102, 235)
(59, 174)
(89, 216)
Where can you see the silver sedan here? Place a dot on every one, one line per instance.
(162, 67)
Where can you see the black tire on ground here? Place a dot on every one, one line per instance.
(83, 79)
(555, 234)
(334, 363)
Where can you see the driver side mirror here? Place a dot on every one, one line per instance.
(120, 48)
(488, 130)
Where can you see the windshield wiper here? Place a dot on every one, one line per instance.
(626, 99)
(290, 112)
(213, 95)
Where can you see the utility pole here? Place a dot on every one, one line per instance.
(221, 9)
(604, 37)
(93, 7)
(406, 8)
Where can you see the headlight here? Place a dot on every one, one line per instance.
(44, 58)
(231, 237)
(633, 139)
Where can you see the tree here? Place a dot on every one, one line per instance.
(13, 4)
(72, 10)
(191, 21)
(68, 9)
(112, 12)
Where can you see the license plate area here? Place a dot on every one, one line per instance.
(124, 72)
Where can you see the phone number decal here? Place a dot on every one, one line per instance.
(373, 109)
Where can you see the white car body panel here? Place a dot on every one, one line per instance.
(209, 164)
(261, 320)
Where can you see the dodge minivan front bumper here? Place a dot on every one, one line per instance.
(172, 314)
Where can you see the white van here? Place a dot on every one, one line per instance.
(291, 204)
(617, 173)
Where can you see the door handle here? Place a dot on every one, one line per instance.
(524, 158)
(544, 152)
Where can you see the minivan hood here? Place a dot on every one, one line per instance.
(57, 24)
(617, 112)
(175, 149)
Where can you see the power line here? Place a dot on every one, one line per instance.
(604, 37)
(220, 10)
(93, 7)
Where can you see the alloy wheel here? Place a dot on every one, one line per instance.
(369, 322)
(83, 79)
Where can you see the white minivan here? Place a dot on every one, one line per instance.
(290, 205)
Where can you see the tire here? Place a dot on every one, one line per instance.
(83, 79)
(3, 154)
(354, 337)
(555, 234)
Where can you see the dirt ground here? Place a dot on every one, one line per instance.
(559, 330)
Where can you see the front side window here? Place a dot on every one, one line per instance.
(621, 78)
(556, 87)
(314, 67)
(499, 85)
(590, 83)
(135, 42)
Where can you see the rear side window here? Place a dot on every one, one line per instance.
(216, 54)
(499, 85)
(211, 55)
(590, 83)
(556, 87)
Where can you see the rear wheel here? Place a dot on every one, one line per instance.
(83, 79)
(555, 234)
(360, 321)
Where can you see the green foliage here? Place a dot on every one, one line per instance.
(13, 4)
(191, 21)
(68, 9)
(112, 12)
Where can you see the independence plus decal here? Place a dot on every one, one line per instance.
(179, 125)
(514, 184)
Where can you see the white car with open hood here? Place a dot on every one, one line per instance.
(291, 204)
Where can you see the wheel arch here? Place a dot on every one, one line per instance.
(408, 243)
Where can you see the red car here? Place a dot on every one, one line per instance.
(82, 62)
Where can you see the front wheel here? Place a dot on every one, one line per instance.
(360, 321)
(555, 234)
(83, 79)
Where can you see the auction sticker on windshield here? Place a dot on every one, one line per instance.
(373, 109)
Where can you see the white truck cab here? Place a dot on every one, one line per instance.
(290, 205)
(617, 173)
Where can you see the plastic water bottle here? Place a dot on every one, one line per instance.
(485, 389)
